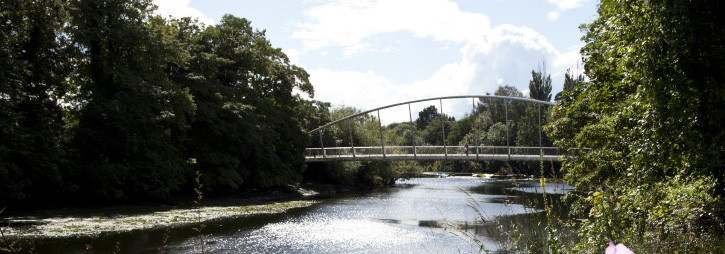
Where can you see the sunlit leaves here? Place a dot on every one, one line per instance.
(642, 116)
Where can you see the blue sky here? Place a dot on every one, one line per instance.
(371, 53)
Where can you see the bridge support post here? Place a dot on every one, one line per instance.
(322, 146)
(380, 126)
(508, 146)
(412, 136)
(475, 133)
(352, 141)
(541, 149)
(443, 127)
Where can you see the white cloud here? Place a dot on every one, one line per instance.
(569, 60)
(368, 90)
(179, 9)
(553, 15)
(482, 69)
(564, 5)
(348, 23)
(490, 55)
(351, 87)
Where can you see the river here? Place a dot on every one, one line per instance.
(420, 215)
(423, 215)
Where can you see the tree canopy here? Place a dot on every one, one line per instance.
(103, 100)
(426, 116)
(540, 85)
(33, 77)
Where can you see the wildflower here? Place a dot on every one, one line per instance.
(598, 197)
(618, 249)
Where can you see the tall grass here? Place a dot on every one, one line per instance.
(539, 232)
(13, 246)
(199, 208)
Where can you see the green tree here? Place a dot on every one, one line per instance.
(101, 99)
(130, 110)
(315, 114)
(529, 131)
(529, 127)
(408, 132)
(365, 131)
(499, 108)
(652, 115)
(535, 115)
(493, 118)
(497, 136)
(426, 116)
(433, 133)
(570, 82)
(540, 85)
(248, 128)
(33, 69)
(458, 130)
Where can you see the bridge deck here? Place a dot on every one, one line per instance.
(426, 157)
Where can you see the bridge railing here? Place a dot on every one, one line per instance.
(427, 150)
(435, 152)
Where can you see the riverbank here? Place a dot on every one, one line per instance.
(76, 222)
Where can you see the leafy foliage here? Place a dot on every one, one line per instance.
(540, 85)
(433, 133)
(652, 115)
(570, 82)
(105, 101)
(123, 143)
(246, 130)
(426, 117)
(360, 131)
(32, 79)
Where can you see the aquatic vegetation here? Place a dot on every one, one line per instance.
(82, 226)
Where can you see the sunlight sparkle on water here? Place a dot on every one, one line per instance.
(416, 216)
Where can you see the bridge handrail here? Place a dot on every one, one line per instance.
(427, 150)
(470, 147)
(430, 99)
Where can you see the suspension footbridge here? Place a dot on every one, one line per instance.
(474, 152)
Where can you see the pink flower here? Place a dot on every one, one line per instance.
(619, 249)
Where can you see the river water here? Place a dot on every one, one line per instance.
(420, 215)
(423, 215)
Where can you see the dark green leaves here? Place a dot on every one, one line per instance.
(647, 114)
(100, 99)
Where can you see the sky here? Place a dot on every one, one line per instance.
(372, 53)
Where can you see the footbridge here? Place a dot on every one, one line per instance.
(473, 152)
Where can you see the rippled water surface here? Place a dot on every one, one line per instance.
(429, 215)
(426, 215)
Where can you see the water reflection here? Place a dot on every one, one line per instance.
(535, 187)
(431, 215)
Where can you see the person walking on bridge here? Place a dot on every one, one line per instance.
(466, 146)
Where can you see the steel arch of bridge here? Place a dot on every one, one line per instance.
(310, 156)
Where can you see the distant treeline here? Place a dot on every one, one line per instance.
(105, 101)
